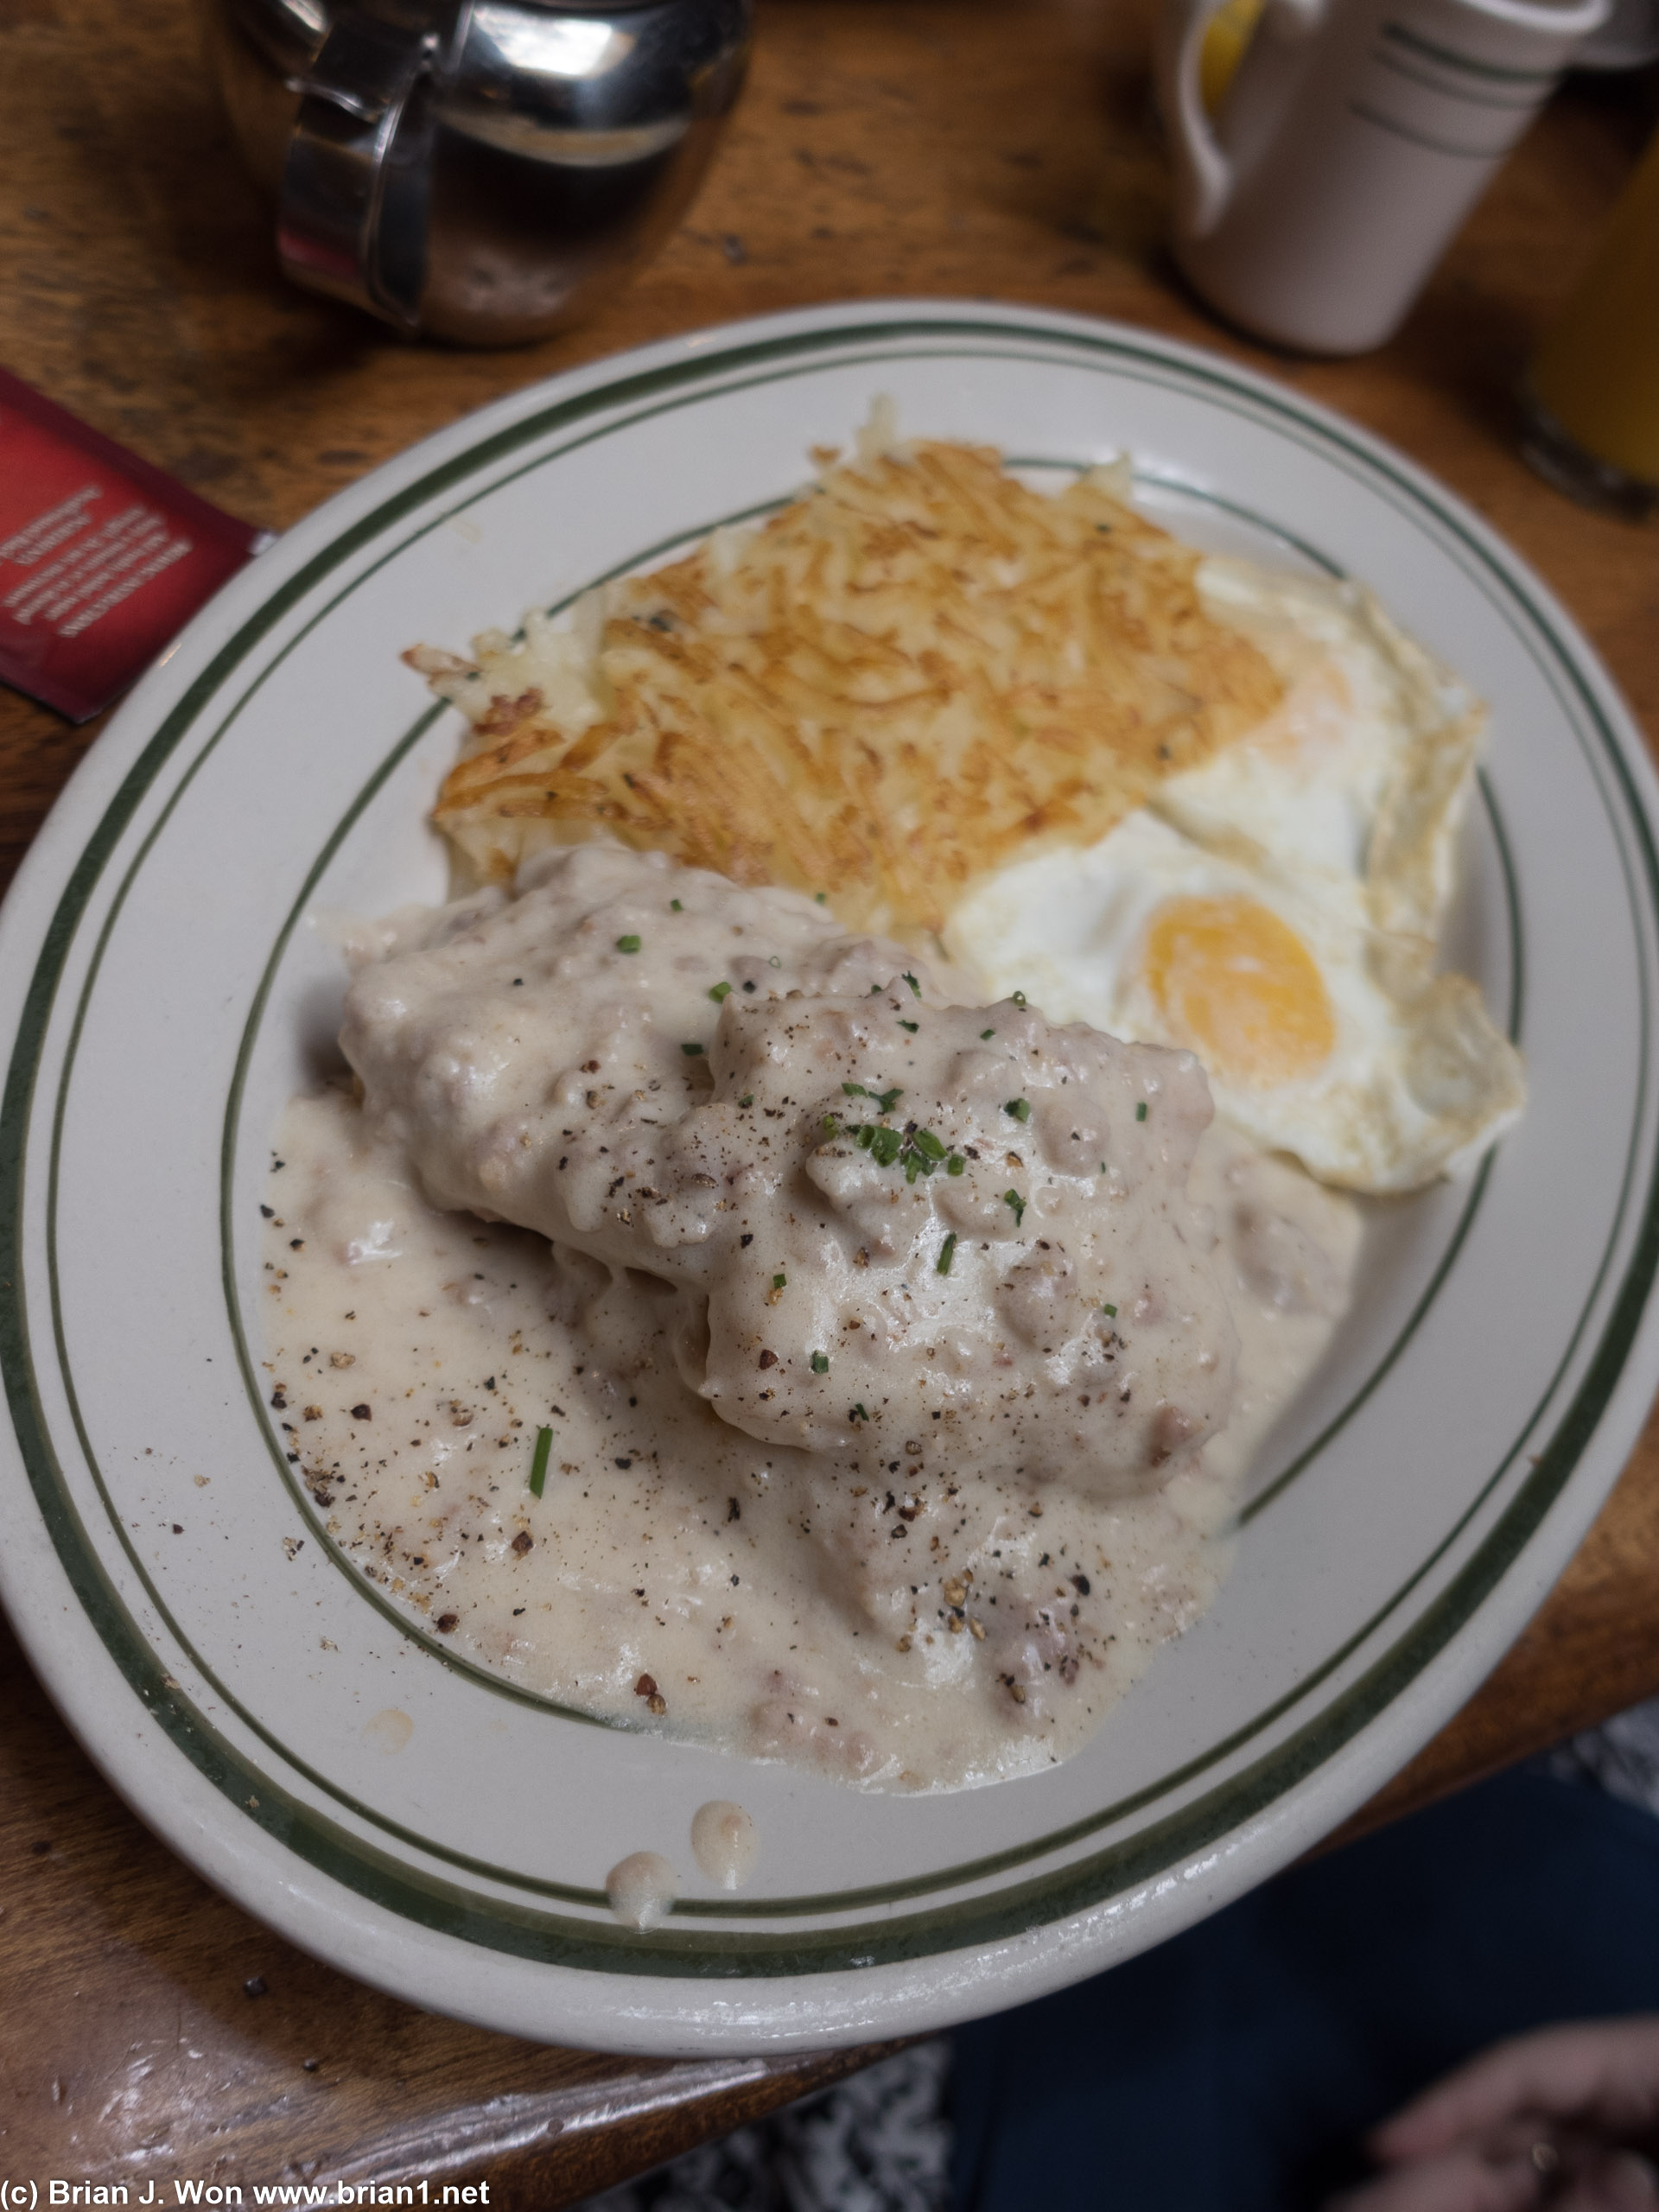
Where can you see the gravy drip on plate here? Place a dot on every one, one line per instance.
(724, 1843)
(906, 1603)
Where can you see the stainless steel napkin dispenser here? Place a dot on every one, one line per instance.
(481, 170)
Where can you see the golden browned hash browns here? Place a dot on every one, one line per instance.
(912, 675)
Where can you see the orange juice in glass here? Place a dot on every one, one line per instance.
(1592, 390)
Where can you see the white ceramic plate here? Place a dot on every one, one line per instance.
(164, 994)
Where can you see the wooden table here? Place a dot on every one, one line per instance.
(148, 2029)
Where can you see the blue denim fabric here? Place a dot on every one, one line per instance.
(1235, 2069)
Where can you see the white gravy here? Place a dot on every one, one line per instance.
(893, 1600)
(724, 1843)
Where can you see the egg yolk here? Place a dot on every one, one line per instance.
(1240, 988)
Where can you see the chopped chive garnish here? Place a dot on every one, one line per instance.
(691, 1052)
(858, 1414)
(875, 990)
(830, 1126)
(538, 1464)
(926, 1143)
(886, 1100)
(1019, 998)
(820, 1364)
(1013, 1199)
(855, 1091)
(629, 943)
(1110, 1312)
(984, 1033)
(912, 1025)
(915, 986)
(823, 898)
(1140, 1111)
(780, 1282)
(954, 1164)
(719, 991)
(914, 1167)
(864, 1136)
(747, 1099)
(675, 907)
(1020, 1108)
(947, 1253)
(885, 1145)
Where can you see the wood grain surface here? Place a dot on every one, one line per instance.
(148, 2029)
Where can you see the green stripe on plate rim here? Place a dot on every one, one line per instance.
(436, 1904)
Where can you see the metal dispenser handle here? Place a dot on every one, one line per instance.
(352, 217)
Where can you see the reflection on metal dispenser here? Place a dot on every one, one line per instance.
(479, 170)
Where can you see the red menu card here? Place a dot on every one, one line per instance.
(103, 558)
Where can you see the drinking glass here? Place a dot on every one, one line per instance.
(1591, 393)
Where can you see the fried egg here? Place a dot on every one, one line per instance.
(1276, 911)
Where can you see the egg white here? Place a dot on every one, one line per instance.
(1356, 787)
